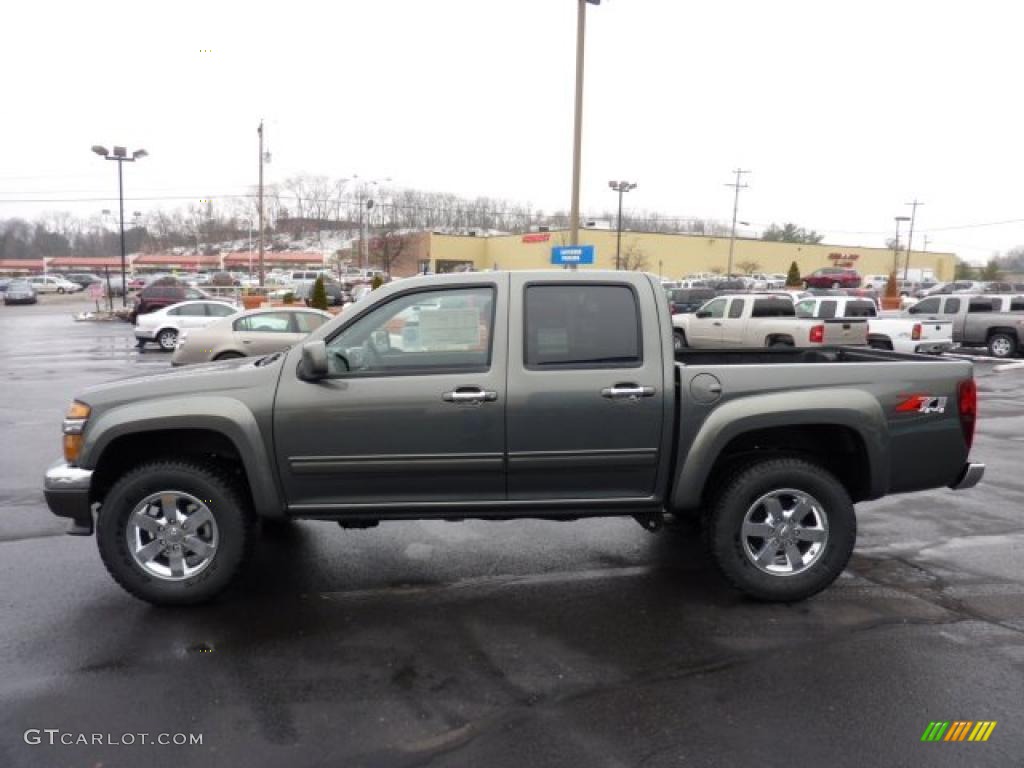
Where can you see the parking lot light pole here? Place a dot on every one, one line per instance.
(896, 245)
(621, 187)
(120, 155)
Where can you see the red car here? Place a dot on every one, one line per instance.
(833, 277)
(162, 293)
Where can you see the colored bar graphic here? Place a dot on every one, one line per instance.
(958, 730)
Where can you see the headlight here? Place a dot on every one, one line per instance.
(74, 425)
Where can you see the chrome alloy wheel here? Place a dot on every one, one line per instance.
(1001, 347)
(172, 535)
(784, 532)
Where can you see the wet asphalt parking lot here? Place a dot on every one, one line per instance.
(498, 644)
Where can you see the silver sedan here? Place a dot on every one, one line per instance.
(255, 332)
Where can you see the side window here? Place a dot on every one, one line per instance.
(773, 308)
(219, 310)
(952, 307)
(926, 307)
(265, 322)
(805, 308)
(828, 309)
(736, 308)
(307, 322)
(1017, 304)
(716, 308)
(979, 305)
(189, 310)
(418, 333)
(860, 309)
(582, 326)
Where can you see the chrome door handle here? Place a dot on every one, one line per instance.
(469, 396)
(717, 323)
(246, 341)
(627, 392)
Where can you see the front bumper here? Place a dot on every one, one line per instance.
(970, 476)
(934, 347)
(66, 489)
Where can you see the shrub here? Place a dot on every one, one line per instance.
(319, 298)
(793, 279)
(376, 283)
(289, 298)
(892, 287)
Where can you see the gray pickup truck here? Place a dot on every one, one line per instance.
(498, 395)
(976, 321)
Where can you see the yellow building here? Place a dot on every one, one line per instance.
(670, 255)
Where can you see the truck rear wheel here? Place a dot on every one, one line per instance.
(678, 339)
(782, 530)
(174, 532)
(1002, 345)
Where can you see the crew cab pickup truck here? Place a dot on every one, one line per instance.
(761, 320)
(900, 334)
(502, 395)
(975, 322)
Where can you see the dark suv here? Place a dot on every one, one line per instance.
(162, 293)
(833, 277)
(686, 300)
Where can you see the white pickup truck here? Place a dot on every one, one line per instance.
(762, 320)
(900, 334)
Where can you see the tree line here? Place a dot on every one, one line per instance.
(300, 207)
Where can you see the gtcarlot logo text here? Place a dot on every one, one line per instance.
(54, 736)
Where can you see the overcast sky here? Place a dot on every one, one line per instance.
(842, 111)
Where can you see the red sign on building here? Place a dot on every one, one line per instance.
(537, 237)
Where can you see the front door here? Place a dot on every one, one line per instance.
(704, 328)
(586, 394)
(413, 411)
(262, 333)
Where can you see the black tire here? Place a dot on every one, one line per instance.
(836, 285)
(167, 338)
(725, 522)
(678, 339)
(1002, 345)
(60, 290)
(229, 356)
(227, 504)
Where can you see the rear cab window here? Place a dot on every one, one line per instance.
(581, 326)
(773, 307)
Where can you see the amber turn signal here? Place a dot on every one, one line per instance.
(72, 447)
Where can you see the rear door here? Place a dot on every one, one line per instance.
(266, 332)
(587, 395)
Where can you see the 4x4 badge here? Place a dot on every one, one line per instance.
(922, 404)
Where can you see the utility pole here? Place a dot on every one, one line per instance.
(737, 185)
(926, 241)
(910, 236)
(260, 132)
(621, 187)
(896, 246)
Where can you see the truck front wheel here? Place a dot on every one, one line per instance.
(174, 532)
(678, 340)
(782, 530)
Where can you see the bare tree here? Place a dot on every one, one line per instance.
(633, 257)
(748, 266)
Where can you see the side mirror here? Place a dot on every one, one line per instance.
(314, 360)
(703, 313)
(913, 310)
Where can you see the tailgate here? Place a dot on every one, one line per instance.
(936, 330)
(845, 331)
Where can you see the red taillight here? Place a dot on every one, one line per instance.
(817, 334)
(968, 402)
(916, 333)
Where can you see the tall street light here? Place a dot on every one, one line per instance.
(577, 132)
(120, 156)
(896, 246)
(738, 184)
(910, 235)
(621, 187)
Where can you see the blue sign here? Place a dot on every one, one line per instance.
(572, 254)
